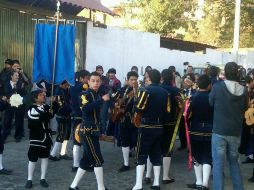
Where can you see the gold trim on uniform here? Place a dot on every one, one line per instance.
(138, 146)
(143, 100)
(168, 105)
(84, 100)
(90, 144)
(151, 126)
(140, 100)
(200, 134)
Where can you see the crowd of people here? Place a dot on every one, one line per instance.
(144, 113)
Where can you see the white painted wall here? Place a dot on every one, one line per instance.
(122, 48)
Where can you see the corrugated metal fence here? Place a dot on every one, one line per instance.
(17, 39)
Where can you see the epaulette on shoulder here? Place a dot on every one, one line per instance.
(84, 97)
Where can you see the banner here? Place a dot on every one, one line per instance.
(44, 53)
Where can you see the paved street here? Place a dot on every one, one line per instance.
(60, 175)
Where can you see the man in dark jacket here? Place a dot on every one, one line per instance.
(14, 86)
(3, 171)
(4, 74)
(153, 104)
(229, 100)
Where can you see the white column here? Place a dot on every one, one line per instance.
(237, 28)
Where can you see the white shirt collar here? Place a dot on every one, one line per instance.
(12, 84)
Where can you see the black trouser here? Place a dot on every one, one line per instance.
(182, 134)
(149, 144)
(42, 151)
(201, 152)
(128, 133)
(92, 156)
(168, 131)
(19, 113)
(63, 129)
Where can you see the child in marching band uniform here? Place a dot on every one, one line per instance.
(40, 136)
(91, 103)
(201, 122)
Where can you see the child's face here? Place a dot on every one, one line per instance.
(147, 81)
(132, 80)
(111, 75)
(41, 98)
(187, 83)
(65, 85)
(99, 71)
(94, 82)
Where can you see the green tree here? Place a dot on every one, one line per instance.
(158, 16)
(162, 16)
(217, 26)
(176, 18)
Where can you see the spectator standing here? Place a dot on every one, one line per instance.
(5, 73)
(14, 86)
(229, 100)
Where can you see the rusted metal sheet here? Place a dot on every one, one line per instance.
(17, 39)
(68, 6)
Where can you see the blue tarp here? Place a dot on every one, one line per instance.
(44, 53)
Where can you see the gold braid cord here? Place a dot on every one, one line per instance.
(178, 122)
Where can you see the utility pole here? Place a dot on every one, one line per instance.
(237, 28)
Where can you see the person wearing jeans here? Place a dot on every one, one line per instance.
(229, 100)
(221, 146)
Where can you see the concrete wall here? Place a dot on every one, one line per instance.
(122, 48)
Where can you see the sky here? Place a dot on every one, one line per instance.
(111, 3)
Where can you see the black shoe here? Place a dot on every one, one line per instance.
(124, 168)
(106, 188)
(251, 179)
(248, 160)
(135, 189)
(75, 188)
(65, 157)
(29, 184)
(44, 183)
(204, 188)
(155, 187)
(167, 181)
(54, 158)
(5, 172)
(194, 186)
(74, 169)
(148, 180)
